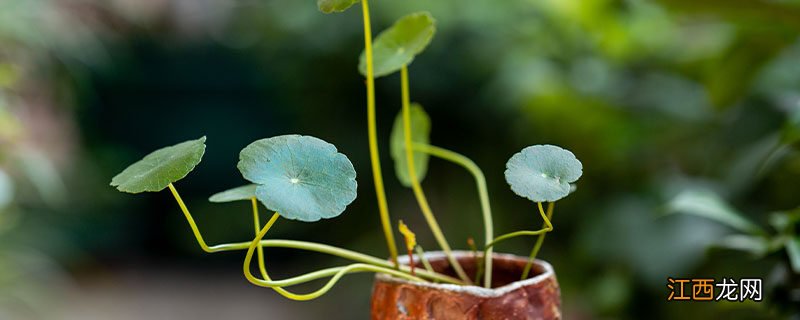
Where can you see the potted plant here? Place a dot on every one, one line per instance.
(305, 178)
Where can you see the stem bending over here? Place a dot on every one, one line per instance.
(539, 241)
(546, 227)
(483, 194)
(415, 185)
(366, 263)
(337, 273)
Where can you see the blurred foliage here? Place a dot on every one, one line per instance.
(657, 98)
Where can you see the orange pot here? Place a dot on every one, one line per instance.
(537, 297)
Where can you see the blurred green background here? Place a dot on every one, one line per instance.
(657, 99)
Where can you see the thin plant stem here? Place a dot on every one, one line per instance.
(411, 262)
(415, 185)
(300, 245)
(189, 218)
(256, 225)
(478, 264)
(338, 272)
(261, 263)
(483, 194)
(547, 227)
(425, 262)
(374, 155)
(538, 245)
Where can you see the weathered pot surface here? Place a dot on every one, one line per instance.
(537, 297)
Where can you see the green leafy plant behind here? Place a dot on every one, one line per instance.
(793, 250)
(543, 173)
(301, 177)
(397, 46)
(331, 6)
(790, 133)
(708, 204)
(749, 237)
(420, 133)
(241, 193)
(161, 167)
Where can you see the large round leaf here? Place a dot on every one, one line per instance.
(395, 47)
(245, 192)
(420, 133)
(331, 6)
(543, 173)
(161, 167)
(300, 177)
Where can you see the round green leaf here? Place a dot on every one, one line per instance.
(543, 173)
(331, 6)
(301, 177)
(240, 193)
(420, 133)
(161, 167)
(395, 47)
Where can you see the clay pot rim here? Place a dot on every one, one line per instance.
(473, 289)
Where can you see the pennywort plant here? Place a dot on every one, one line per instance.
(304, 178)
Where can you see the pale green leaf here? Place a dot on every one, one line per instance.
(755, 245)
(420, 133)
(300, 177)
(543, 173)
(240, 193)
(331, 6)
(161, 167)
(397, 46)
(706, 203)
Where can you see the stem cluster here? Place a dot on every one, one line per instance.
(363, 262)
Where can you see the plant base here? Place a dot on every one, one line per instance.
(537, 297)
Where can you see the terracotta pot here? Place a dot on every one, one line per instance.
(537, 297)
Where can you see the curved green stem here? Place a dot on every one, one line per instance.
(256, 224)
(518, 234)
(374, 156)
(538, 245)
(338, 272)
(301, 245)
(249, 256)
(483, 194)
(547, 227)
(415, 185)
(189, 218)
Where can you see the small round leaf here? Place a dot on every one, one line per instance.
(301, 177)
(543, 173)
(161, 167)
(240, 193)
(331, 6)
(420, 133)
(396, 47)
